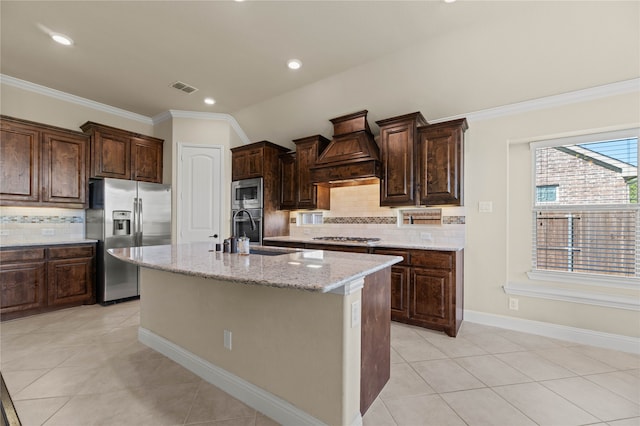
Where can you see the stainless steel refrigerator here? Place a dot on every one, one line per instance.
(125, 213)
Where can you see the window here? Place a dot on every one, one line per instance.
(311, 218)
(546, 193)
(585, 211)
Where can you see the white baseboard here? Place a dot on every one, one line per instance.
(579, 335)
(257, 398)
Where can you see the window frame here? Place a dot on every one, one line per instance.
(591, 279)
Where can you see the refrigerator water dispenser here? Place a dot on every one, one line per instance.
(121, 222)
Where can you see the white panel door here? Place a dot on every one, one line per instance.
(199, 201)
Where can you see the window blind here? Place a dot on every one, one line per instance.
(585, 216)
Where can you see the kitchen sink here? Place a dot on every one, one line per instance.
(267, 252)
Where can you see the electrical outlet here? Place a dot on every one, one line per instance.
(4, 232)
(426, 236)
(356, 313)
(48, 231)
(485, 206)
(227, 339)
(513, 304)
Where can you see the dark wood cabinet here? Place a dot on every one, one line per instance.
(19, 161)
(399, 283)
(262, 159)
(120, 154)
(64, 168)
(440, 150)
(288, 181)
(248, 161)
(310, 196)
(426, 288)
(422, 164)
(34, 280)
(22, 280)
(42, 165)
(70, 273)
(146, 160)
(398, 149)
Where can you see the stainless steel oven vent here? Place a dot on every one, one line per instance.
(183, 87)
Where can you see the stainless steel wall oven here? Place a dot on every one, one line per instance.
(242, 224)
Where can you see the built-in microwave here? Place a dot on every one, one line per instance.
(246, 194)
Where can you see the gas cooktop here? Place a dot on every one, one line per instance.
(363, 240)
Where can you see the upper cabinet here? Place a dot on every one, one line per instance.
(120, 154)
(42, 165)
(398, 151)
(422, 164)
(247, 161)
(441, 163)
(310, 196)
(288, 187)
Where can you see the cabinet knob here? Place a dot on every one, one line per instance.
(213, 236)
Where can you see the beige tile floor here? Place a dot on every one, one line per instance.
(84, 366)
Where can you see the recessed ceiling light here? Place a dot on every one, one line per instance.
(294, 64)
(449, 1)
(62, 39)
(209, 101)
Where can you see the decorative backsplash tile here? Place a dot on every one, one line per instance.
(453, 220)
(384, 220)
(371, 220)
(41, 219)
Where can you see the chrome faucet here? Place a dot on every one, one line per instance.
(233, 219)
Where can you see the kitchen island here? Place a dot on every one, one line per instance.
(300, 335)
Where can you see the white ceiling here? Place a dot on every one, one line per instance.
(126, 54)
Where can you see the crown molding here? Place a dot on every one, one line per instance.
(67, 97)
(172, 113)
(592, 93)
(612, 89)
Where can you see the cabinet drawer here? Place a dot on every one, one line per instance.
(70, 252)
(7, 256)
(406, 256)
(432, 259)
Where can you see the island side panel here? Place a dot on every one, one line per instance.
(376, 336)
(297, 345)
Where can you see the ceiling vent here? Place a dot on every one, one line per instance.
(183, 87)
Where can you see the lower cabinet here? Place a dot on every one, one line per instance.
(426, 287)
(46, 278)
(399, 292)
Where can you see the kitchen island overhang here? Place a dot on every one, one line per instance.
(300, 334)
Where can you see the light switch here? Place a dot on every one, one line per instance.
(485, 206)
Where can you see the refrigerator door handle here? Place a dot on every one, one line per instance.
(136, 223)
(140, 228)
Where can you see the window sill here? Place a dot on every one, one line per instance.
(573, 295)
(607, 281)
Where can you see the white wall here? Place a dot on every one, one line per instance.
(56, 111)
(576, 45)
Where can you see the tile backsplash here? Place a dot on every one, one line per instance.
(40, 224)
(355, 211)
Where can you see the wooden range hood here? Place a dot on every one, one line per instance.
(352, 157)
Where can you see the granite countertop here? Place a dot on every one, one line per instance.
(382, 243)
(311, 270)
(15, 243)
